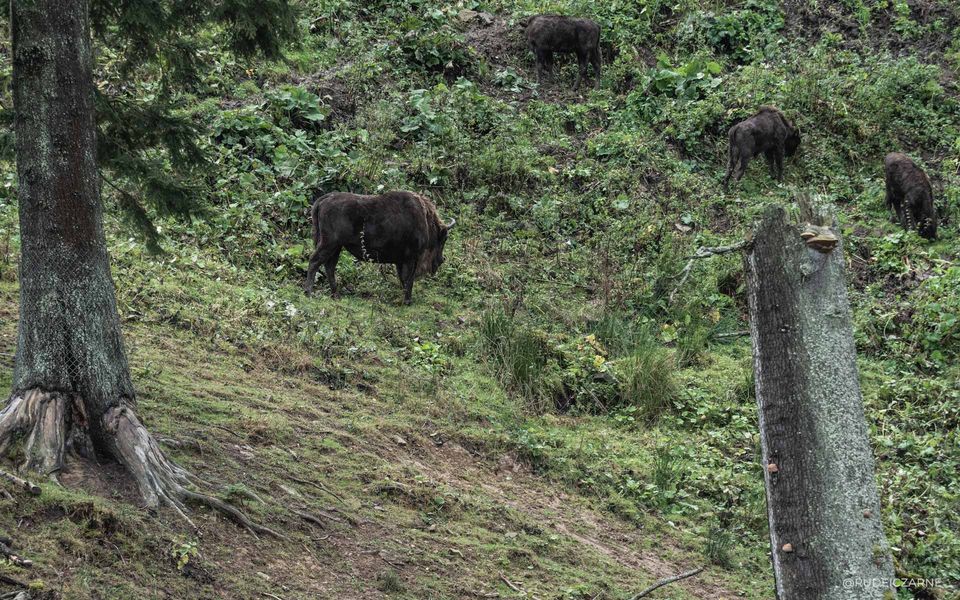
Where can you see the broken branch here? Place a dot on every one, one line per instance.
(667, 581)
(705, 252)
(33, 488)
(732, 334)
(510, 584)
(12, 556)
(516, 587)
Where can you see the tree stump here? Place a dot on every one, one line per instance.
(822, 503)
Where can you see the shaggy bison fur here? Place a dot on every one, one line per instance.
(549, 34)
(401, 228)
(769, 132)
(909, 195)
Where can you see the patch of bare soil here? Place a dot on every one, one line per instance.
(332, 88)
(502, 44)
(811, 20)
(494, 37)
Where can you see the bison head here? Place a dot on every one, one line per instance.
(928, 229)
(792, 142)
(432, 257)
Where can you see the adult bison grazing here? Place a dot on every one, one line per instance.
(402, 228)
(547, 34)
(909, 195)
(769, 132)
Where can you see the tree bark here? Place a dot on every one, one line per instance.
(72, 390)
(824, 512)
(69, 346)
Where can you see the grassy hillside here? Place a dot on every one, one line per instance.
(548, 413)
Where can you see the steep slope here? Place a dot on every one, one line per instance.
(553, 407)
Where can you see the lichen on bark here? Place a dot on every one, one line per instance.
(812, 423)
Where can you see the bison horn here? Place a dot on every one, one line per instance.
(451, 223)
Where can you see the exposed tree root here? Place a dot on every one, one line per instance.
(13, 557)
(31, 487)
(159, 479)
(310, 518)
(51, 423)
(11, 581)
(317, 519)
(40, 417)
(317, 485)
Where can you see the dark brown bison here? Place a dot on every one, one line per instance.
(769, 132)
(909, 195)
(401, 228)
(548, 34)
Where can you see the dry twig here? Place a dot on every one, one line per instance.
(666, 581)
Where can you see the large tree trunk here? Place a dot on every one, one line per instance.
(822, 503)
(70, 356)
(72, 390)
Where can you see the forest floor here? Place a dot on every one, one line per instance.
(404, 507)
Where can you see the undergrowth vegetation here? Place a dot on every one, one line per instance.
(557, 328)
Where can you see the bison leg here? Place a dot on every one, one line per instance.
(330, 268)
(778, 162)
(742, 165)
(312, 268)
(548, 64)
(541, 58)
(892, 207)
(328, 258)
(581, 69)
(892, 204)
(407, 272)
(595, 59)
(732, 159)
(771, 157)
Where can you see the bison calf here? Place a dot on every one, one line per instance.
(401, 228)
(909, 195)
(548, 34)
(769, 132)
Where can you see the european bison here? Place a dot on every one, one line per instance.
(909, 195)
(547, 34)
(402, 228)
(769, 132)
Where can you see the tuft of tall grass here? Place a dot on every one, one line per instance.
(718, 544)
(389, 582)
(621, 333)
(647, 382)
(665, 479)
(645, 372)
(520, 358)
